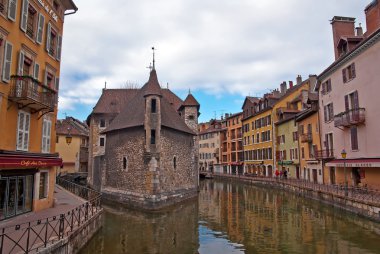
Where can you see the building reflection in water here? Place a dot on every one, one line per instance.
(126, 231)
(236, 218)
(269, 221)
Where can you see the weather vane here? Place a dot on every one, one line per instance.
(154, 61)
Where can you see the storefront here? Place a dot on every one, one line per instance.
(26, 183)
(363, 172)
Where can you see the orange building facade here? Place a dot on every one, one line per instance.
(30, 54)
(232, 147)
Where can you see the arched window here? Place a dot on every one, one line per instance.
(175, 162)
(125, 163)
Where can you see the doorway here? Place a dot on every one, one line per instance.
(332, 175)
(315, 176)
(16, 195)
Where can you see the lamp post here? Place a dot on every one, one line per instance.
(344, 155)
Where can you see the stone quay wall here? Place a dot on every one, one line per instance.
(365, 208)
(73, 243)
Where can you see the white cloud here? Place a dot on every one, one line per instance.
(219, 46)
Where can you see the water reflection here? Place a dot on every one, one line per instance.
(230, 217)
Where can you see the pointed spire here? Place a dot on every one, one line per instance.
(154, 60)
(152, 87)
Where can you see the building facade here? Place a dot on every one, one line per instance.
(348, 102)
(209, 147)
(150, 148)
(232, 146)
(30, 55)
(311, 167)
(257, 131)
(73, 151)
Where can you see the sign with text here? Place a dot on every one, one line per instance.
(48, 10)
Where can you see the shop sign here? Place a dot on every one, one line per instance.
(48, 10)
(7, 162)
(357, 165)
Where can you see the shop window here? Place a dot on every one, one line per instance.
(44, 185)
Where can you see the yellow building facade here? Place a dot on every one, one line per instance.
(257, 135)
(30, 54)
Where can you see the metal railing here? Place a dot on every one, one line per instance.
(324, 154)
(306, 138)
(30, 237)
(358, 194)
(26, 90)
(350, 117)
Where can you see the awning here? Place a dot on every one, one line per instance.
(28, 162)
(359, 163)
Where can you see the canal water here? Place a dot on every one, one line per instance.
(231, 217)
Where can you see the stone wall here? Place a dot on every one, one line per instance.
(150, 180)
(94, 134)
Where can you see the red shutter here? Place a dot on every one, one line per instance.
(344, 75)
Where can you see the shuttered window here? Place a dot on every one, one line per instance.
(36, 71)
(12, 7)
(24, 15)
(354, 138)
(48, 34)
(46, 134)
(6, 73)
(59, 47)
(23, 131)
(40, 29)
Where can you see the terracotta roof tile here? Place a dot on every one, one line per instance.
(113, 100)
(76, 127)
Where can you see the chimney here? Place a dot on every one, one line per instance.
(342, 27)
(372, 16)
(290, 84)
(359, 30)
(299, 79)
(283, 88)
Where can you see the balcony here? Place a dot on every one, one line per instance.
(306, 138)
(350, 117)
(28, 92)
(324, 154)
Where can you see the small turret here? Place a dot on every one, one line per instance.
(190, 112)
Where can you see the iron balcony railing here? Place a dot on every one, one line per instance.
(31, 237)
(27, 91)
(324, 154)
(350, 117)
(306, 138)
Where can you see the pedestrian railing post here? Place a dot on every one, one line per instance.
(27, 239)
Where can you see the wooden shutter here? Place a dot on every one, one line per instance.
(284, 155)
(24, 15)
(346, 103)
(354, 138)
(6, 75)
(344, 75)
(353, 71)
(356, 100)
(40, 29)
(23, 131)
(21, 58)
(331, 111)
(329, 85)
(325, 112)
(36, 70)
(59, 47)
(48, 37)
(44, 127)
(12, 7)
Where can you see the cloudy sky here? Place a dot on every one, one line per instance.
(222, 50)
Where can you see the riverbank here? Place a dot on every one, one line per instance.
(364, 203)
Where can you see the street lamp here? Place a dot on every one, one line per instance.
(344, 155)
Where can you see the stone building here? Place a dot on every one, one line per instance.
(143, 146)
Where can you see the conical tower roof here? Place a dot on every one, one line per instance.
(190, 101)
(152, 87)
